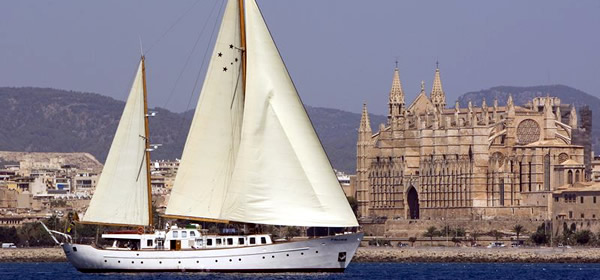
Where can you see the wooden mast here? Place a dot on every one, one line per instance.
(147, 138)
(243, 43)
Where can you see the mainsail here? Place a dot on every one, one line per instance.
(122, 194)
(279, 172)
(213, 140)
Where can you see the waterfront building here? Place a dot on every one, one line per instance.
(430, 161)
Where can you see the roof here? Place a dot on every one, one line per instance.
(578, 187)
(571, 162)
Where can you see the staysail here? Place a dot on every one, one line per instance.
(213, 140)
(121, 196)
(281, 174)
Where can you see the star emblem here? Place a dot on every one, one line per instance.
(231, 46)
(220, 54)
(224, 69)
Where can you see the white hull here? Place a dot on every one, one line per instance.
(332, 253)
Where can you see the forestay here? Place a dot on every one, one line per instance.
(121, 195)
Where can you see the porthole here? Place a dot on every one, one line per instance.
(273, 257)
(105, 260)
(302, 253)
(229, 260)
(197, 261)
(316, 252)
(142, 262)
(160, 262)
(131, 261)
(216, 260)
(287, 255)
(263, 257)
(119, 261)
(179, 262)
(240, 259)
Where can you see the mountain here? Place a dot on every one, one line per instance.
(338, 131)
(52, 120)
(522, 95)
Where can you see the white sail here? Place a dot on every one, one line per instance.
(282, 173)
(212, 144)
(121, 196)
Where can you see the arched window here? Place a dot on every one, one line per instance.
(577, 176)
(570, 177)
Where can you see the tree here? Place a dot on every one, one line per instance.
(583, 236)
(518, 229)
(496, 234)
(431, 232)
(456, 240)
(412, 241)
(292, 231)
(475, 234)
(540, 236)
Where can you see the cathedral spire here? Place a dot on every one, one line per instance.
(510, 105)
(396, 102)
(438, 97)
(573, 117)
(365, 123)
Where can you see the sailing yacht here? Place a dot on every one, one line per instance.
(252, 156)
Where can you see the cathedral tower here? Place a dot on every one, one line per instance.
(363, 163)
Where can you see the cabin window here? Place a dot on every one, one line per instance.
(218, 241)
(199, 242)
(241, 241)
(175, 234)
(209, 242)
(229, 241)
(252, 240)
(149, 243)
(263, 240)
(184, 234)
(192, 234)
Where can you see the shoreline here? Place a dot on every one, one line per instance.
(478, 255)
(389, 254)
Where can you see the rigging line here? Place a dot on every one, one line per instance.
(201, 67)
(170, 96)
(172, 26)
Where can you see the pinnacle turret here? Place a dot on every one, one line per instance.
(573, 117)
(438, 97)
(396, 102)
(365, 123)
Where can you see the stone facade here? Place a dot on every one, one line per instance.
(433, 162)
(576, 207)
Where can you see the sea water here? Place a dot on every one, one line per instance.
(370, 271)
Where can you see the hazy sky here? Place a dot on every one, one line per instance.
(339, 53)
